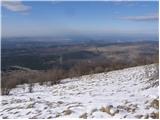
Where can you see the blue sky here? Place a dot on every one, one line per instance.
(79, 18)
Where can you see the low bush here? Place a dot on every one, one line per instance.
(11, 79)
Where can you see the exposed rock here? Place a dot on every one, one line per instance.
(30, 105)
(84, 115)
(147, 107)
(94, 110)
(67, 112)
(125, 102)
(154, 115)
(102, 109)
(133, 110)
(39, 97)
(49, 117)
(5, 117)
(4, 103)
(155, 104)
(139, 116)
(113, 111)
(130, 108)
(28, 113)
(146, 116)
(125, 116)
(60, 102)
(109, 109)
(58, 115)
(146, 102)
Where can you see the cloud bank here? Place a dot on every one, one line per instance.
(15, 6)
(142, 18)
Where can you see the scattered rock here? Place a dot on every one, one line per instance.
(157, 115)
(84, 116)
(49, 117)
(125, 102)
(132, 95)
(146, 116)
(5, 117)
(28, 113)
(120, 107)
(126, 108)
(109, 109)
(4, 103)
(31, 99)
(135, 106)
(113, 111)
(133, 110)
(155, 104)
(103, 109)
(58, 115)
(67, 112)
(139, 116)
(147, 107)
(30, 105)
(35, 117)
(94, 110)
(146, 102)
(38, 111)
(125, 116)
(18, 101)
(16, 112)
(60, 102)
(154, 115)
(39, 97)
(49, 104)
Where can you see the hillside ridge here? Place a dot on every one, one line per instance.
(127, 93)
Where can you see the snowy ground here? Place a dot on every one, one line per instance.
(127, 93)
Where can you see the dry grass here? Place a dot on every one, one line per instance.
(13, 78)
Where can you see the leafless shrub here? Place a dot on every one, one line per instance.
(30, 88)
(99, 69)
(7, 83)
(11, 79)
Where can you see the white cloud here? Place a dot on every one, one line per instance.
(142, 18)
(16, 6)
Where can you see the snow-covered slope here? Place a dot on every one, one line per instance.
(127, 93)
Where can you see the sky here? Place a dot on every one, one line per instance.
(60, 18)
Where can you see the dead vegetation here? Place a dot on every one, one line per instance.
(12, 78)
(109, 110)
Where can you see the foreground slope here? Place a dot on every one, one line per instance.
(127, 93)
